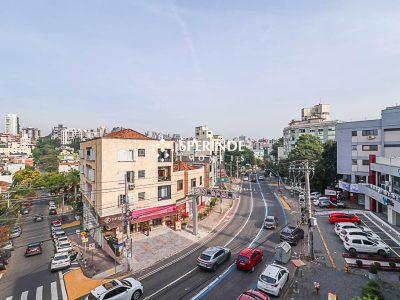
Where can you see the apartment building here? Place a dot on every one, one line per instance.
(12, 124)
(315, 120)
(128, 162)
(30, 135)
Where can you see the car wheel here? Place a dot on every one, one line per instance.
(381, 252)
(136, 295)
(352, 250)
(215, 266)
(262, 257)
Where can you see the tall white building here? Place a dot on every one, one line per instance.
(69, 134)
(12, 124)
(315, 120)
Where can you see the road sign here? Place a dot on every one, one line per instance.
(92, 246)
(83, 233)
(85, 240)
(226, 179)
(78, 231)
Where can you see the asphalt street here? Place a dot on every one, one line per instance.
(30, 277)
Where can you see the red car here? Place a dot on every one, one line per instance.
(28, 203)
(56, 222)
(33, 249)
(253, 295)
(248, 258)
(342, 217)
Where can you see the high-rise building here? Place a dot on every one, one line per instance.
(12, 124)
(30, 135)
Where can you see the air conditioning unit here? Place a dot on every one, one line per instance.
(131, 186)
(371, 137)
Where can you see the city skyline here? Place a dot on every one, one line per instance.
(223, 65)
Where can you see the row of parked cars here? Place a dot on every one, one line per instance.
(321, 201)
(357, 238)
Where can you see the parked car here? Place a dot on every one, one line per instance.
(248, 258)
(5, 254)
(25, 210)
(27, 203)
(127, 288)
(324, 203)
(33, 249)
(60, 261)
(253, 295)
(342, 217)
(55, 223)
(270, 222)
(63, 246)
(365, 245)
(15, 232)
(61, 239)
(51, 202)
(3, 265)
(358, 232)
(56, 227)
(340, 204)
(347, 225)
(57, 234)
(291, 234)
(317, 200)
(245, 178)
(273, 279)
(212, 257)
(7, 245)
(52, 207)
(38, 218)
(52, 212)
(315, 195)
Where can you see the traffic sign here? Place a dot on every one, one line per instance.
(226, 179)
(92, 246)
(85, 240)
(83, 233)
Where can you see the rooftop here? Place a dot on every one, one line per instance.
(127, 134)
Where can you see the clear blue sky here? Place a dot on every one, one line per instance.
(241, 67)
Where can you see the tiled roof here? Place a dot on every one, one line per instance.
(127, 134)
(181, 166)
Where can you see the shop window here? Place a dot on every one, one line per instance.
(354, 162)
(354, 133)
(370, 147)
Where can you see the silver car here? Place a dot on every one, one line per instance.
(212, 257)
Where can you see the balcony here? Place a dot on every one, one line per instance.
(164, 178)
(394, 162)
(164, 174)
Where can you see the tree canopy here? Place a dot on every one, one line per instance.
(307, 147)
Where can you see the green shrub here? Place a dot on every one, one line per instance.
(392, 264)
(359, 263)
(373, 290)
(373, 269)
(378, 265)
(352, 253)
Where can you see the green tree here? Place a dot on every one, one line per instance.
(325, 168)
(25, 177)
(76, 144)
(246, 154)
(307, 147)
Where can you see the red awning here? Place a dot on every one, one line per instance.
(147, 214)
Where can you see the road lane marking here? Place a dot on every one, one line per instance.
(54, 294)
(63, 290)
(24, 295)
(326, 248)
(39, 293)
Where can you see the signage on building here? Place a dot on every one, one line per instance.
(111, 219)
(330, 192)
(352, 188)
(225, 194)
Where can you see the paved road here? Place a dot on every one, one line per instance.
(30, 277)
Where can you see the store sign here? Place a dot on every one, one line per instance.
(224, 194)
(111, 219)
(330, 193)
(352, 188)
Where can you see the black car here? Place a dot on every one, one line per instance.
(38, 218)
(25, 210)
(52, 212)
(291, 234)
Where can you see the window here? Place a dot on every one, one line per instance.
(164, 192)
(201, 180)
(357, 242)
(354, 133)
(354, 148)
(180, 185)
(165, 155)
(141, 152)
(370, 132)
(354, 162)
(370, 147)
(302, 130)
(141, 173)
(121, 200)
(130, 176)
(126, 155)
(193, 182)
(367, 243)
(365, 162)
(141, 196)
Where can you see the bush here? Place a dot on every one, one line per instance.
(185, 216)
(378, 265)
(201, 215)
(184, 223)
(384, 255)
(373, 269)
(359, 263)
(373, 290)
(392, 264)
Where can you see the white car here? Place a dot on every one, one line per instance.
(7, 245)
(365, 245)
(52, 202)
(62, 239)
(347, 225)
(63, 247)
(128, 288)
(358, 232)
(52, 207)
(273, 279)
(315, 195)
(316, 201)
(60, 261)
(58, 233)
(57, 227)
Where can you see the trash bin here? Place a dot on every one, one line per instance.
(283, 252)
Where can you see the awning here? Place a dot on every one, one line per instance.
(147, 214)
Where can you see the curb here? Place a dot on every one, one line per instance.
(285, 295)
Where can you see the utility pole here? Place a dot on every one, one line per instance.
(128, 226)
(194, 212)
(308, 199)
(8, 199)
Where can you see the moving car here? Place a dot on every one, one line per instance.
(253, 295)
(315, 195)
(350, 232)
(7, 245)
(52, 212)
(4, 256)
(270, 222)
(365, 245)
(33, 249)
(60, 261)
(27, 203)
(347, 225)
(212, 257)
(273, 279)
(51, 202)
(324, 203)
(52, 207)
(291, 234)
(248, 258)
(38, 218)
(127, 288)
(342, 217)
(25, 210)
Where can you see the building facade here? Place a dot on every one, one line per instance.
(12, 124)
(30, 135)
(315, 121)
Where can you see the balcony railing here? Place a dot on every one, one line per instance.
(164, 178)
(381, 191)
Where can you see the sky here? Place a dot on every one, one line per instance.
(240, 67)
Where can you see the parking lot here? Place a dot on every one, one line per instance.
(335, 245)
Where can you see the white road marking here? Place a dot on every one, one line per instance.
(39, 293)
(54, 294)
(24, 295)
(9, 298)
(63, 290)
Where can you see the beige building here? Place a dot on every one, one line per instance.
(156, 188)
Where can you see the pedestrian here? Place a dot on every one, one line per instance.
(316, 286)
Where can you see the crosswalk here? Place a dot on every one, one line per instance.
(54, 291)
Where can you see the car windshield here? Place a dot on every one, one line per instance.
(205, 257)
(127, 283)
(270, 219)
(61, 257)
(268, 279)
(243, 258)
(109, 285)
